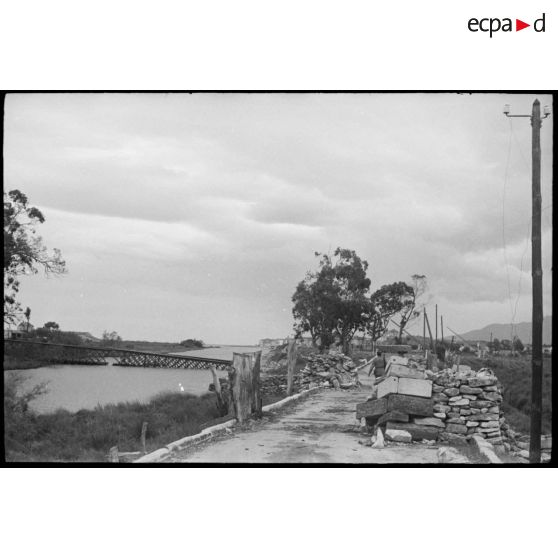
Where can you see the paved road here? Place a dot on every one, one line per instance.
(319, 429)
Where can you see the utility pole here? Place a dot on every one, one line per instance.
(536, 273)
(436, 328)
(424, 324)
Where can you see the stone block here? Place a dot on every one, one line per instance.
(374, 408)
(441, 408)
(400, 371)
(465, 411)
(441, 416)
(471, 423)
(490, 388)
(410, 404)
(451, 392)
(395, 416)
(440, 398)
(461, 402)
(456, 420)
(480, 404)
(452, 428)
(468, 390)
(490, 424)
(480, 382)
(412, 386)
(398, 435)
(491, 396)
(469, 397)
(429, 421)
(387, 386)
(417, 432)
(486, 417)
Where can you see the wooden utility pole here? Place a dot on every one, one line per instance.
(424, 324)
(536, 272)
(429, 332)
(442, 326)
(436, 328)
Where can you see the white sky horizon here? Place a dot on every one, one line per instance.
(195, 216)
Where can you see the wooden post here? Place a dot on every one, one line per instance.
(436, 328)
(245, 385)
(536, 273)
(222, 405)
(113, 455)
(424, 325)
(442, 325)
(429, 331)
(143, 434)
(458, 361)
(256, 393)
(291, 360)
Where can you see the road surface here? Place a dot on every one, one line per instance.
(319, 429)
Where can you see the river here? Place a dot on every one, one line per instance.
(74, 387)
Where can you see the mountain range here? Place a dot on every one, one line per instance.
(503, 331)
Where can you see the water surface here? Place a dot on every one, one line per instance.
(75, 387)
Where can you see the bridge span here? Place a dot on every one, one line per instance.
(84, 354)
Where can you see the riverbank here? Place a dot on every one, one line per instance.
(87, 435)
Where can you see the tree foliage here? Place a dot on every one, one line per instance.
(111, 338)
(24, 251)
(333, 301)
(409, 297)
(198, 343)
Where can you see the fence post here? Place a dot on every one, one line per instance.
(245, 385)
(143, 434)
(113, 455)
(291, 360)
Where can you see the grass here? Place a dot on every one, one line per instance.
(89, 434)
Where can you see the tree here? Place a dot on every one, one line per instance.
(27, 315)
(111, 338)
(192, 343)
(409, 297)
(518, 345)
(333, 301)
(496, 346)
(51, 326)
(24, 251)
(386, 302)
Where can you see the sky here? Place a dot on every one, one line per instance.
(196, 215)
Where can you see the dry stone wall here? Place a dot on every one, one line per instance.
(413, 403)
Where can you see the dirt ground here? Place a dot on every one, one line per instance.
(321, 428)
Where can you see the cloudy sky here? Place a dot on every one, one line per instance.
(196, 215)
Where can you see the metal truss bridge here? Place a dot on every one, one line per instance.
(84, 354)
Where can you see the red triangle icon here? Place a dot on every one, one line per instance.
(519, 25)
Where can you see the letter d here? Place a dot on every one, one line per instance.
(535, 25)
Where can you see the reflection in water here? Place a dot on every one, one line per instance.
(83, 387)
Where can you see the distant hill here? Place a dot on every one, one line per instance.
(502, 331)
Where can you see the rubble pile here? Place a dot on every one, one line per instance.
(413, 403)
(469, 403)
(329, 370)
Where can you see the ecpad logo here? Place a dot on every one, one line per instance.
(493, 25)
